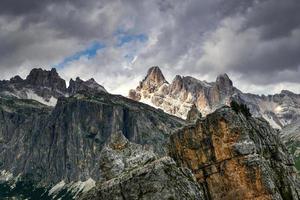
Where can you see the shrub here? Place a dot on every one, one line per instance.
(240, 108)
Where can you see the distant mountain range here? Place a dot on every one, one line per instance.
(178, 97)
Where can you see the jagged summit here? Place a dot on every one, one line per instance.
(51, 79)
(178, 97)
(90, 85)
(287, 92)
(153, 79)
(45, 86)
(223, 79)
(16, 79)
(156, 74)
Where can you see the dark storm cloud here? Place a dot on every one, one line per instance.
(17, 7)
(275, 18)
(256, 40)
(274, 54)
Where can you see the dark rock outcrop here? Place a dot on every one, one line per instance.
(79, 85)
(43, 78)
(235, 157)
(194, 114)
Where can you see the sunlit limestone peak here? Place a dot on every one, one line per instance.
(183, 92)
(153, 80)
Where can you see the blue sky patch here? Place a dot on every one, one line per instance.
(89, 52)
(124, 38)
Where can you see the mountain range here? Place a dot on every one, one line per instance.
(178, 97)
(80, 142)
(45, 86)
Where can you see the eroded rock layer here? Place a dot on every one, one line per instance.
(235, 157)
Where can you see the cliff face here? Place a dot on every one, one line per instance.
(49, 145)
(235, 157)
(290, 135)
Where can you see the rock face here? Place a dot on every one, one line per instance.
(44, 78)
(120, 156)
(45, 86)
(290, 135)
(62, 144)
(160, 179)
(193, 114)
(134, 173)
(178, 97)
(235, 157)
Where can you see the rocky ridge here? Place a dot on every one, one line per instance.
(178, 97)
(45, 86)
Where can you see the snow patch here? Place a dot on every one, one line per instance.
(5, 175)
(74, 187)
(32, 95)
(55, 189)
(82, 187)
(271, 121)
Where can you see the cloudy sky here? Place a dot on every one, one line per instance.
(256, 42)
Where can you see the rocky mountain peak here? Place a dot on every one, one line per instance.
(16, 79)
(90, 85)
(287, 92)
(45, 78)
(177, 84)
(224, 86)
(184, 91)
(223, 79)
(153, 79)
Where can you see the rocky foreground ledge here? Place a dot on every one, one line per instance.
(223, 156)
(236, 157)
